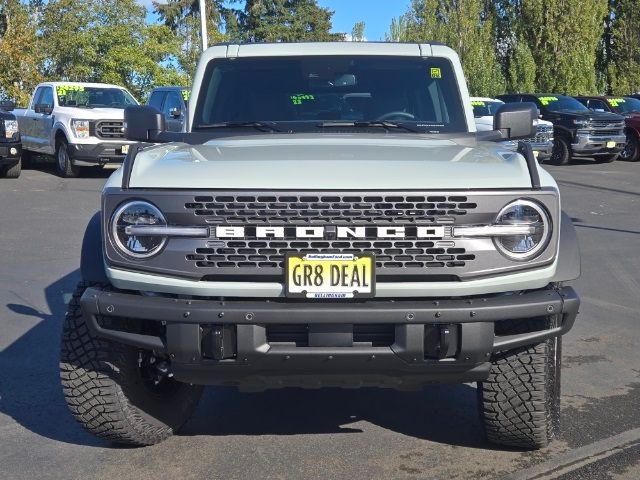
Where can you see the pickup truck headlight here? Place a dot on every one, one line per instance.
(136, 214)
(10, 128)
(537, 228)
(80, 128)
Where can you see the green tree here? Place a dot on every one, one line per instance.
(94, 41)
(465, 25)
(622, 47)
(183, 18)
(521, 72)
(357, 32)
(20, 55)
(285, 21)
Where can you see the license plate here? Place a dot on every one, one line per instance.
(611, 144)
(125, 149)
(330, 275)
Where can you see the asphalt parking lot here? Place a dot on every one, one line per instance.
(325, 434)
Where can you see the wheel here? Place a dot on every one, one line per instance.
(65, 167)
(561, 153)
(13, 171)
(26, 159)
(117, 392)
(607, 158)
(520, 401)
(631, 152)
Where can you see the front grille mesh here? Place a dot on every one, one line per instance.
(606, 124)
(605, 133)
(109, 130)
(329, 209)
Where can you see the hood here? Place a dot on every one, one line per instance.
(590, 115)
(92, 113)
(325, 162)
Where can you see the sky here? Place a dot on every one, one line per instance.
(376, 14)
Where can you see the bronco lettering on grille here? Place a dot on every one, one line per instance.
(331, 232)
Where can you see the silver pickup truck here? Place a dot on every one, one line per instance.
(330, 217)
(81, 124)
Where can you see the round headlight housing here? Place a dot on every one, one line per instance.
(137, 213)
(524, 246)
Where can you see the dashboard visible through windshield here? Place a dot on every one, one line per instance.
(411, 94)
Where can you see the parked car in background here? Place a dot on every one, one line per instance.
(173, 102)
(484, 109)
(578, 131)
(10, 146)
(81, 124)
(629, 108)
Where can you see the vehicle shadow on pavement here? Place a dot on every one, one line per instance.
(440, 413)
(30, 390)
(47, 165)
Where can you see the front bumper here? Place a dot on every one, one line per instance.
(10, 153)
(585, 144)
(97, 154)
(232, 342)
(544, 149)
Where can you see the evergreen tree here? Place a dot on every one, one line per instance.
(622, 44)
(357, 32)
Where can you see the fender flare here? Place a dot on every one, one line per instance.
(568, 252)
(92, 258)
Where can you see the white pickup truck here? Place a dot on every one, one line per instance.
(80, 124)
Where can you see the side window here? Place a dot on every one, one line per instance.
(37, 96)
(156, 99)
(47, 96)
(597, 105)
(172, 102)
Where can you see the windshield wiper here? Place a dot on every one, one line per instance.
(367, 124)
(262, 126)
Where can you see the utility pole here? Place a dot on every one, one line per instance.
(203, 24)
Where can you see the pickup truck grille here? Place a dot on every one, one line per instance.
(606, 124)
(110, 130)
(605, 133)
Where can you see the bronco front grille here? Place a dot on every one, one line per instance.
(110, 129)
(329, 209)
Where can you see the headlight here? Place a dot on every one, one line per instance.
(10, 128)
(80, 128)
(524, 246)
(132, 214)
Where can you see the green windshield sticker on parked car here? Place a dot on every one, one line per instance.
(298, 99)
(186, 94)
(546, 100)
(62, 90)
(615, 102)
(477, 103)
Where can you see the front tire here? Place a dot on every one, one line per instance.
(561, 153)
(11, 172)
(631, 152)
(520, 401)
(65, 166)
(109, 392)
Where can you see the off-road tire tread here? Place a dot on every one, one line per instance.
(519, 402)
(93, 372)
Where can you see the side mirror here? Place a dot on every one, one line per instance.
(143, 123)
(516, 120)
(43, 108)
(7, 106)
(175, 113)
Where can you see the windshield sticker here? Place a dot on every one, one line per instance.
(477, 103)
(436, 73)
(186, 94)
(615, 102)
(62, 90)
(298, 99)
(546, 100)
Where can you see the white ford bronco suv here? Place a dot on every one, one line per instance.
(329, 218)
(80, 124)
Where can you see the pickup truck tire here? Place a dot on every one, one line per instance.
(107, 390)
(607, 158)
(631, 152)
(520, 401)
(561, 153)
(66, 168)
(11, 172)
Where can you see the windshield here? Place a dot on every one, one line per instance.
(483, 108)
(309, 93)
(562, 103)
(624, 105)
(93, 97)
